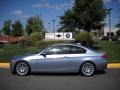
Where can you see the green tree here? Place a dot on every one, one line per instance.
(34, 24)
(0, 32)
(17, 28)
(90, 14)
(118, 31)
(85, 14)
(82, 37)
(6, 28)
(67, 22)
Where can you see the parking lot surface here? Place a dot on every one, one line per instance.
(108, 80)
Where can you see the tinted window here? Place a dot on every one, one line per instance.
(76, 50)
(55, 50)
(66, 49)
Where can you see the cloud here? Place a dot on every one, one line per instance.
(25, 16)
(72, 1)
(17, 12)
(107, 1)
(53, 6)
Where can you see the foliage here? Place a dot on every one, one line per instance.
(89, 13)
(34, 24)
(85, 14)
(83, 38)
(118, 31)
(33, 37)
(0, 32)
(1, 44)
(112, 50)
(17, 28)
(6, 28)
(67, 21)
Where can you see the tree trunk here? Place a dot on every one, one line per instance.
(88, 43)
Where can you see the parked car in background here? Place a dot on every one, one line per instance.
(105, 38)
(114, 38)
(60, 58)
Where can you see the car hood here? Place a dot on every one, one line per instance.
(21, 56)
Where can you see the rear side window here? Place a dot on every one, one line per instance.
(76, 50)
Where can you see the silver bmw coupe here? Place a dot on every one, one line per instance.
(60, 58)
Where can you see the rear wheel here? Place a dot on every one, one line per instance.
(22, 68)
(87, 69)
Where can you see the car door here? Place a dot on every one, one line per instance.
(54, 60)
(74, 56)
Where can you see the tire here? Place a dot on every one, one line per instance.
(22, 68)
(87, 69)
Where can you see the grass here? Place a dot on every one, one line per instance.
(112, 50)
(8, 51)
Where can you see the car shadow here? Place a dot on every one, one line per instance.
(56, 74)
(100, 72)
(67, 74)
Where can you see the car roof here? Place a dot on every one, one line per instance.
(78, 45)
(69, 44)
(65, 44)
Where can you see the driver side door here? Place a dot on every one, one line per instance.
(53, 60)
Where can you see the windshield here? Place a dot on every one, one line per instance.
(38, 51)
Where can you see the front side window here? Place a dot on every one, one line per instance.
(66, 49)
(55, 50)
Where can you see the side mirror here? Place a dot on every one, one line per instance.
(44, 54)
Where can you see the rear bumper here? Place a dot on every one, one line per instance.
(102, 65)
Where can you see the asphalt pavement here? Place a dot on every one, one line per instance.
(108, 80)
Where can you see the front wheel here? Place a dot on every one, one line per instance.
(22, 68)
(87, 69)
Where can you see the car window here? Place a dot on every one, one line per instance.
(66, 49)
(76, 50)
(55, 50)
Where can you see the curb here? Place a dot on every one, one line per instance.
(4, 65)
(110, 65)
(113, 65)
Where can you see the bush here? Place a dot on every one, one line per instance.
(36, 40)
(22, 44)
(84, 38)
(35, 36)
(1, 44)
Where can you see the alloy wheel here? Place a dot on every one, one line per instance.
(22, 68)
(87, 69)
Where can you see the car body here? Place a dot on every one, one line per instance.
(60, 58)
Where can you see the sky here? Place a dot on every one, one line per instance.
(48, 10)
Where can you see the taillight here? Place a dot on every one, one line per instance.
(104, 56)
